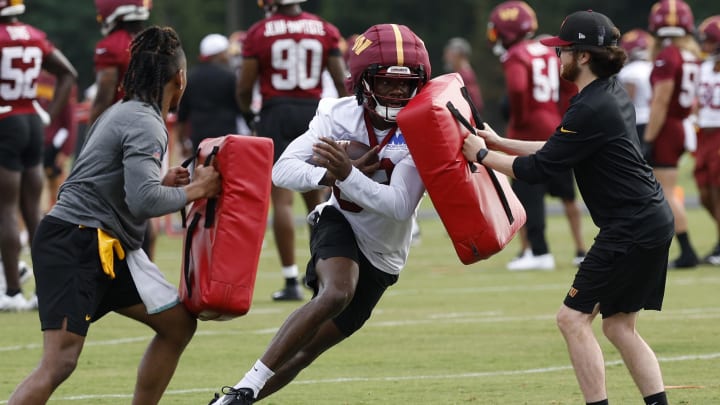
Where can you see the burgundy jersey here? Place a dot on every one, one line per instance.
(532, 77)
(114, 51)
(683, 68)
(23, 48)
(292, 53)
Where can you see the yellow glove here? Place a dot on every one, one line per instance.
(106, 245)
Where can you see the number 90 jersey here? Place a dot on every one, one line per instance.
(22, 49)
(291, 52)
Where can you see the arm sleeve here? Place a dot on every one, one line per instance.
(518, 91)
(396, 200)
(565, 148)
(146, 197)
(292, 170)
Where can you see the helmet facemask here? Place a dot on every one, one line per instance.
(388, 106)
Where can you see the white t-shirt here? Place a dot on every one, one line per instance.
(637, 73)
(709, 96)
(384, 225)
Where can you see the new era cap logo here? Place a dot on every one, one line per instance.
(581, 35)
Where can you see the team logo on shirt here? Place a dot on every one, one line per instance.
(157, 153)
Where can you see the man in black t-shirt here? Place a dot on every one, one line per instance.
(209, 104)
(625, 269)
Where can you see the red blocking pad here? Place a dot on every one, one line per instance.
(224, 235)
(477, 206)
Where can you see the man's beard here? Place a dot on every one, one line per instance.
(570, 71)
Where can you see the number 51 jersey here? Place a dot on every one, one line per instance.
(291, 52)
(22, 49)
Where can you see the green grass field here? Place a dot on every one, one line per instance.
(445, 334)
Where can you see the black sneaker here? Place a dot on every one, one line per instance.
(233, 396)
(289, 293)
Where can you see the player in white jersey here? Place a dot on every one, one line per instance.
(635, 75)
(361, 237)
(707, 163)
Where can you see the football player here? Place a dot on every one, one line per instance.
(635, 75)
(537, 99)
(120, 21)
(361, 237)
(676, 58)
(287, 53)
(707, 162)
(25, 52)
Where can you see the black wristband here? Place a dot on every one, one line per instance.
(482, 153)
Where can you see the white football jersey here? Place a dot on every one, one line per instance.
(637, 73)
(379, 209)
(709, 96)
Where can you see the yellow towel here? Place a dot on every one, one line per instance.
(106, 245)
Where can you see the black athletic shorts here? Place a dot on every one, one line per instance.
(332, 236)
(623, 278)
(283, 119)
(69, 277)
(21, 142)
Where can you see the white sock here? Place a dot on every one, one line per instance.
(256, 378)
(290, 271)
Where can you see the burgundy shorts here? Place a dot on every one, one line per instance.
(707, 158)
(670, 144)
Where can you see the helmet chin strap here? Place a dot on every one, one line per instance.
(389, 114)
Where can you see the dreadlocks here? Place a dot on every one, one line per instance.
(155, 56)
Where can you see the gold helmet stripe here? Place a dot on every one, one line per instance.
(398, 44)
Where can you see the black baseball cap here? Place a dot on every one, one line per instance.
(585, 28)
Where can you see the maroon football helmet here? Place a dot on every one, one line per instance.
(11, 7)
(386, 51)
(671, 18)
(636, 43)
(511, 22)
(709, 31)
(112, 11)
(270, 5)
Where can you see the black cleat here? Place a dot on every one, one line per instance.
(289, 293)
(233, 396)
(684, 263)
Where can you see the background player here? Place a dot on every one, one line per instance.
(537, 98)
(289, 66)
(25, 51)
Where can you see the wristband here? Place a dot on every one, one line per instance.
(482, 153)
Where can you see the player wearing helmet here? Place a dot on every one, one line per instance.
(286, 54)
(24, 52)
(626, 268)
(635, 75)
(537, 99)
(361, 237)
(120, 21)
(676, 58)
(707, 163)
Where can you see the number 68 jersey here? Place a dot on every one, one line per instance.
(292, 52)
(22, 49)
